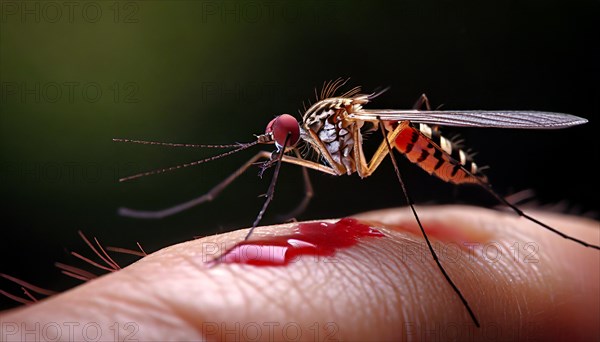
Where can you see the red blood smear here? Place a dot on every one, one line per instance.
(318, 238)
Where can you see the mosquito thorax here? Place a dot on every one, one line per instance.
(281, 126)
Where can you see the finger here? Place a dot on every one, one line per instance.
(381, 289)
(524, 281)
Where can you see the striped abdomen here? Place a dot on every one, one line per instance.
(437, 155)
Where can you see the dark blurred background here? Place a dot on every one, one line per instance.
(75, 75)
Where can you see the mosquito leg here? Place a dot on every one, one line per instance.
(308, 195)
(423, 100)
(520, 212)
(433, 254)
(306, 164)
(271, 190)
(209, 196)
(310, 165)
(485, 185)
(382, 150)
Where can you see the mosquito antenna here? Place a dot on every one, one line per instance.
(271, 191)
(146, 142)
(412, 208)
(181, 166)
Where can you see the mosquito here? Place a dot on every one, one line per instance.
(334, 127)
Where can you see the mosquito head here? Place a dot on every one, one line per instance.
(281, 126)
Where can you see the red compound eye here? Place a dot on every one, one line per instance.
(280, 126)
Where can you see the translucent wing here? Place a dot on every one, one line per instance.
(474, 118)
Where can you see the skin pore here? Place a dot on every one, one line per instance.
(523, 283)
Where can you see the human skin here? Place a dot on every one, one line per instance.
(385, 288)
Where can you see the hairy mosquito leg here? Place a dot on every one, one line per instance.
(214, 192)
(433, 253)
(209, 196)
(308, 195)
(271, 190)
